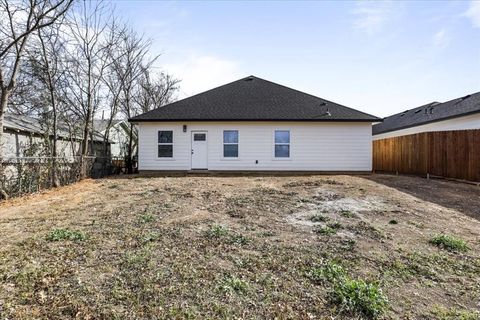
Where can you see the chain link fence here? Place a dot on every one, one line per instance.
(23, 175)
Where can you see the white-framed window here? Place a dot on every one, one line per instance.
(165, 144)
(230, 143)
(282, 144)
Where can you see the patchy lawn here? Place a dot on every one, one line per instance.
(303, 247)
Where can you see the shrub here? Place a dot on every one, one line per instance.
(448, 242)
(360, 297)
(65, 234)
(393, 221)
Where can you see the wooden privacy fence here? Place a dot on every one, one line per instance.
(450, 154)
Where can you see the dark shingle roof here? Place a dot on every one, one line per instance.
(254, 99)
(431, 112)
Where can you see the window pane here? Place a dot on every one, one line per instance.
(165, 136)
(282, 136)
(282, 151)
(230, 150)
(199, 137)
(165, 151)
(230, 136)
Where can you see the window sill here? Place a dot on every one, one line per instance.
(282, 159)
(230, 159)
(165, 159)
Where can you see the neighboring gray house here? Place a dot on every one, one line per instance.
(457, 114)
(255, 125)
(22, 133)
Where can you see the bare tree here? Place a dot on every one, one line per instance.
(88, 62)
(17, 23)
(52, 50)
(155, 91)
(129, 67)
(113, 81)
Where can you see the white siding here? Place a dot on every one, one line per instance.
(462, 123)
(15, 144)
(119, 140)
(319, 146)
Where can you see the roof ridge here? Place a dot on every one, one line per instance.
(244, 99)
(309, 94)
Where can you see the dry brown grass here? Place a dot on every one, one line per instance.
(230, 247)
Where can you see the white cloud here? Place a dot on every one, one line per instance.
(371, 16)
(441, 39)
(473, 13)
(202, 72)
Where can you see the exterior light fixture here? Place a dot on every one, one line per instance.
(184, 128)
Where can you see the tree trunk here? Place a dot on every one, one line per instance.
(86, 129)
(55, 181)
(3, 107)
(130, 151)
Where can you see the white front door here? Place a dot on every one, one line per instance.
(199, 150)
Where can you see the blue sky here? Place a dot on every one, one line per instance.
(379, 57)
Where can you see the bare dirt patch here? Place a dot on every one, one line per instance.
(237, 247)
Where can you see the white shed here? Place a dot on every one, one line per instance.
(254, 125)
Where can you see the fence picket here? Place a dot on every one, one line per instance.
(451, 154)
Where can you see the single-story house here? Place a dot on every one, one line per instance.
(23, 136)
(254, 125)
(457, 114)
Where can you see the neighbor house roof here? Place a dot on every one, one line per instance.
(431, 112)
(100, 125)
(254, 99)
(32, 125)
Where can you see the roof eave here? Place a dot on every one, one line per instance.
(133, 120)
(427, 122)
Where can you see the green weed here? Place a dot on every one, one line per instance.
(233, 284)
(352, 295)
(326, 231)
(443, 313)
(347, 214)
(216, 231)
(359, 296)
(449, 243)
(146, 218)
(66, 234)
(319, 218)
